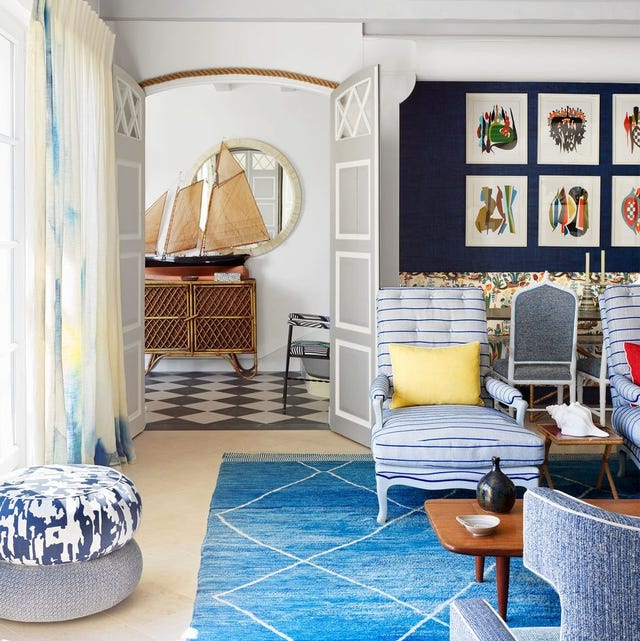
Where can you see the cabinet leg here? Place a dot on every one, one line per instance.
(245, 372)
(153, 361)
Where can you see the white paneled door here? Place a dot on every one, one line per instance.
(129, 114)
(354, 251)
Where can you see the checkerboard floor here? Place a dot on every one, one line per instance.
(221, 401)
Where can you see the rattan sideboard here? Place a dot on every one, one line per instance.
(201, 318)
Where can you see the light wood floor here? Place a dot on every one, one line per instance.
(175, 473)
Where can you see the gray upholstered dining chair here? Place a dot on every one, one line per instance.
(589, 556)
(593, 369)
(620, 316)
(542, 340)
(438, 437)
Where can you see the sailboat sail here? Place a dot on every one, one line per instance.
(152, 222)
(184, 226)
(234, 218)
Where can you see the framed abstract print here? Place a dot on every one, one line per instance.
(496, 128)
(496, 211)
(625, 129)
(569, 211)
(568, 129)
(625, 211)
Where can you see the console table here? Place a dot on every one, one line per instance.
(201, 318)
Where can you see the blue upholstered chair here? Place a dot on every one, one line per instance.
(542, 340)
(589, 556)
(444, 445)
(620, 314)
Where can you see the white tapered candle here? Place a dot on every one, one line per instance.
(587, 275)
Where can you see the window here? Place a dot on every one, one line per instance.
(12, 340)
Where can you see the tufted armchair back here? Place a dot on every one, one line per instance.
(590, 557)
(620, 315)
(431, 317)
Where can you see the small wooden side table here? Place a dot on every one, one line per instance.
(551, 433)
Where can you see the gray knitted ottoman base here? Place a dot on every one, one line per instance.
(41, 593)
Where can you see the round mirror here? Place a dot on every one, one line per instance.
(273, 181)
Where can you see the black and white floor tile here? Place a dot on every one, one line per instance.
(225, 401)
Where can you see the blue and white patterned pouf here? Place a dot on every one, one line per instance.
(66, 541)
(64, 513)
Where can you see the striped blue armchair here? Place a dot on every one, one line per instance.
(443, 446)
(589, 556)
(620, 314)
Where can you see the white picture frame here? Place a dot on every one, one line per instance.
(625, 129)
(568, 129)
(559, 192)
(491, 112)
(506, 217)
(625, 188)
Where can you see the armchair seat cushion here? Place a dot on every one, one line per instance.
(534, 372)
(454, 436)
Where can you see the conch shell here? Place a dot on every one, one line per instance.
(574, 420)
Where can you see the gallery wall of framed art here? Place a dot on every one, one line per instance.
(519, 176)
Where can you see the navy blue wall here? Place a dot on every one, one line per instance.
(432, 183)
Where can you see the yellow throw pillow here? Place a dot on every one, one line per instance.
(435, 375)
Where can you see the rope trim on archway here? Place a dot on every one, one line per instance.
(243, 71)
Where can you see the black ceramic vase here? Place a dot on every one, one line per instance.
(496, 491)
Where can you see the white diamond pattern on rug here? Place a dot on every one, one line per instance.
(293, 551)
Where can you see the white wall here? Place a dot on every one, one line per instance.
(327, 50)
(527, 59)
(184, 123)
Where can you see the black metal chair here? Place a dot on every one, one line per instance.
(304, 349)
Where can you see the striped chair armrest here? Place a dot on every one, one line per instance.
(379, 392)
(380, 388)
(501, 391)
(629, 391)
(506, 395)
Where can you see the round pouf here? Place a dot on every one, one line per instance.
(47, 593)
(66, 541)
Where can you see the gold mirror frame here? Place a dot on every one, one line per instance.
(287, 167)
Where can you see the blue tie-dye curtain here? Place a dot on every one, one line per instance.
(79, 411)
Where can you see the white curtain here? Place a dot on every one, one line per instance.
(78, 410)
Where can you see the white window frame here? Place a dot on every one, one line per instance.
(13, 446)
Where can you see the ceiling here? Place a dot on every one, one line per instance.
(413, 18)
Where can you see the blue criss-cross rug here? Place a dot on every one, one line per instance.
(293, 551)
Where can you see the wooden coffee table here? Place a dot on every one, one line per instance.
(551, 433)
(504, 543)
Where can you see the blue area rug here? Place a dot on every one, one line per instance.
(293, 551)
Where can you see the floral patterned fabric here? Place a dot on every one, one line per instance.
(499, 288)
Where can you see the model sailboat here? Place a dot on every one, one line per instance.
(233, 219)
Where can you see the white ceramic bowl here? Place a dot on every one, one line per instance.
(479, 524)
